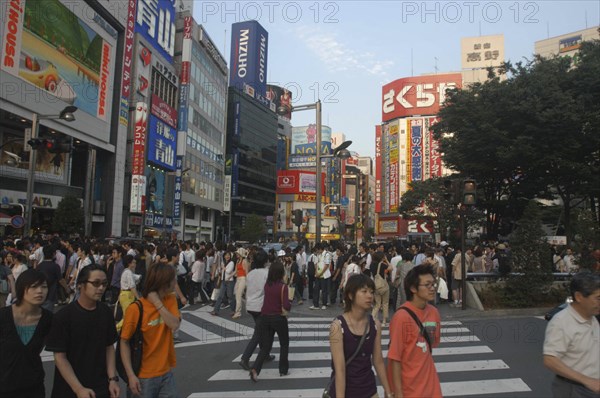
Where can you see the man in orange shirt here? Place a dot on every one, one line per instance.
(160, 318)
(414, 331)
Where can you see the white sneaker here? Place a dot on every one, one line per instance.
(324, 307)
(312, 307)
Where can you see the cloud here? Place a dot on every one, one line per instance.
(338, 57)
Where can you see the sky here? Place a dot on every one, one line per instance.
(343, 52)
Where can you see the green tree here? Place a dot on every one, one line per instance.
(68, 216)
(531, 261)
(254, 228)
(534, 134)
(425, 201)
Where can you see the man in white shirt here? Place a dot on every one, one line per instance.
(570, 263)
(572, 341)
(322, 277)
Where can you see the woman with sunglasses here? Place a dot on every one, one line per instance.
(23, 330)
(82, 338)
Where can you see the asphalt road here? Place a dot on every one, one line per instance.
(481, 355)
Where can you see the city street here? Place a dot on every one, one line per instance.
(480, 355)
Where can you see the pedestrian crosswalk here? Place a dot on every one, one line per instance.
(467, 367)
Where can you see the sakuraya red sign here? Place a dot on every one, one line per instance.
(419, 95)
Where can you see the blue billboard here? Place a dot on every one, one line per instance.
(155, 21)
(162, 143)
(249, 49)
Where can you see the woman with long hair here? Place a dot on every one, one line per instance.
(160, 318)
(379, 270)
(23, 330)
(356, 378)
(228, 283)
(273, 320)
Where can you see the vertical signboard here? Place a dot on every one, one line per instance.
(227, 193)
(386, 167)
(435, 159)
(177, 190)
(155, 21)
(184, 76)
(138, 164)
(416, 149)
(127, 63)
(378, 167)
(142, 66)
(393, 177)
(426, 149)
(249, 49)
(162, 143)
(408, 152)
(402, 154)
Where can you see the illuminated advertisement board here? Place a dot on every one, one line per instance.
(394, 169)
(426, 149)
(416, 149)
(280, 96)
(402, 153)
(386, 167)
(378, 169)
(249, 50)
(304, 140)
(293, 182)
(162, 143)
(71, 59)
(155, 21)
(419, 95)
(155, 190)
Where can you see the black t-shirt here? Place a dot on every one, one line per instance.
(21, 370)
(52, 272)
(84, 336)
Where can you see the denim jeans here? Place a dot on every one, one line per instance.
(159, 387)
(322, 288)
(226, 288)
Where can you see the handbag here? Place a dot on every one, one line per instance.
(420, 325)
(136, 343)
(380, 284)
(360, 344)
(291, 289)
(284, 312)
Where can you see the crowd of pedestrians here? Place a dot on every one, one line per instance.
(81, 298)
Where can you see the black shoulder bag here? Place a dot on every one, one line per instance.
(136, 343)
(360, 344)
(420, 325)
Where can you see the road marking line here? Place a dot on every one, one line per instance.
(326, 355)
(325, 372)
(329, 320)
(320, 341)
(449, 389)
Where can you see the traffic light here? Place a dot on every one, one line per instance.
(452, 191)
(36, 143)
(54, 145)
(298, 217)
(469, 192)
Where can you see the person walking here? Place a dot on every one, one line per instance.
(379, 270)
(228, 278)
(273, 320)
(322, 277)
(160, 318)
(129, 281)
(23, 330)
(242, 268)
(414, 332)
(355, 343)
(572, 341)
(82, 338)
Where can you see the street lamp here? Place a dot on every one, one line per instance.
(341, 152)
(66, 114)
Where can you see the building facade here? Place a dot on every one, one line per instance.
(203, 94)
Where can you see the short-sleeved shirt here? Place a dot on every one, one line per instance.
(575, 341)
(158, 351)
(255, 289)
(128, 279)
(83, 335)
(409, 347)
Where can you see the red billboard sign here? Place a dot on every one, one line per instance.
(294, 182)
(163, 111)
(420, 95)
